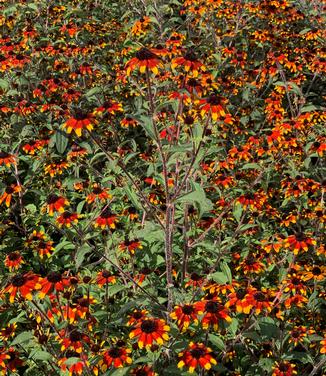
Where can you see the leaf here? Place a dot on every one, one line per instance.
(147, 124)
(219, 277)
(217, 341)
(81, 253)
(198, 196)
(41, 355)
(237, 211)
(249, 166)
(61, 141)
(21, 338)
(93, 91)
(227, 271)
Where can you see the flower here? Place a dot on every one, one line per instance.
(7, 159)
(53, 281)
(98, 193)
(213, 106)
(144, 59)
(106, 218)
(213, 312)
(196, 355)
(7, 194)
(80, 121)
(185, 315)
(240, 300)
(110, 107)
(317, 273)
(150, 330)
(299, 242)
(74, 341)
(116, 357)
(190, 63)
(7, 332)
(104, 278)
(130, 245)
(136, 316)
(128, 122)
(13, 260)
(56, 203)
(143, 371)
(259, 300)
(24, 284)
(67, 218)
(284, 368)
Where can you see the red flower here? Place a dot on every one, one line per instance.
(130, 245)
(185, 315)
(67, 218)
(116, 357)
(190, 63)
(143, 371)
(144, 59)
(284, 368)
(213, 106)
(105, 277)
(7, 159)
(56, 203)
(53, 281)
(24, 284)
(79, 122)
(150, 330)
(98, 193)
(299, 242)
(7, 194)
(196, 355)
(213, 312)
(106, 218)
(14, 260)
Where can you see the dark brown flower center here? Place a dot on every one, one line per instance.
(137, 315)
(283, 367)
(75, 336)
(106, 274)
(18, 280)
(211, 307)
(3, 154)
(190, 56)
(300, 236)
(187, 309)
(52, 199)
(189, 120)
(66, 214)
(260, 297)
(13, 256)
(241, 294)
(9, 190)
(148, 326)
(197, 353)
(114, 352)
(107, 213)
(316, 271)
(141, 372)
(214, 100)
(195, 277)
(145, 54)
(54, 277)
(79, 115)
(97, 190)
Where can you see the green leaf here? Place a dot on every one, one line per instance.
(237, 211)
(219, 277)
(22, 338)
(61, 141)
(217, 341)
(198, 196)
(81, 253)
(41, 355)
(226, 270)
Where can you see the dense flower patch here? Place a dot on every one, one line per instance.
(162, 188)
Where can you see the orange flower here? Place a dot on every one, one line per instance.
(240, 300)
(213, 106)
(67, 218)
(185, 315)
(136, 316)
(323, 346)
(7, 332)
(14, 260)
(144, 59)
(106, 218)
(143, 371)
(98, 193)
(116, 357)
(53, 281)
(105, 277)
(56, 203)
(74, 341)
(259, 300)
(213, 312)
(130, 245)
(196, 355)
(7, 194)
(150, 330)
(110, 107)
(79, 122)
(190, 63)
(75, 368)
(299, 242)
(284, 368)
(24, 284)
(128, 122)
